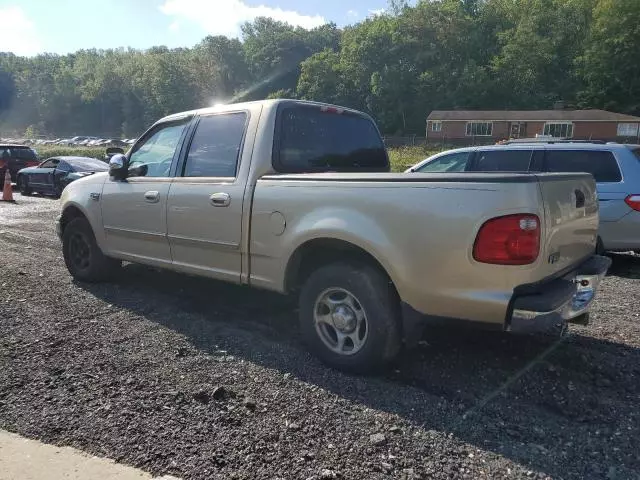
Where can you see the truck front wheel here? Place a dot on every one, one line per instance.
(349, 317)
(82, 255)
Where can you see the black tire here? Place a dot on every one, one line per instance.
(23, 186)
(82, 256)
(377, 298)
(600, 247)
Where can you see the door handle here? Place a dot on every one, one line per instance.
(220, 199)
(151, 196)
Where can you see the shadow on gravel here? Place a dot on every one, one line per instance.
(625, 266)
(570, 409)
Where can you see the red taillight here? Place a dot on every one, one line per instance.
(508, 240)
(633, 201)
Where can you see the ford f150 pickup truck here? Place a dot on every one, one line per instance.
(297, 197)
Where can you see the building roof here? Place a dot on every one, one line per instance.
(532, 115)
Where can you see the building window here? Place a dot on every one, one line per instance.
(558, 130)
(628, 129)
(479, 129)
(436, 126)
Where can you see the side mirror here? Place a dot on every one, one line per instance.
(118, 167)
(111, 151)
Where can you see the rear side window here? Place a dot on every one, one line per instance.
(215, 147)
(601, 164)
(503, 161)
(318, 139)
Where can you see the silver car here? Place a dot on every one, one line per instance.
(615, 167)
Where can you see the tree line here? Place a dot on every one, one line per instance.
(398, 66)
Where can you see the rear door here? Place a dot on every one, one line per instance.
(603, 166)
(205, 203)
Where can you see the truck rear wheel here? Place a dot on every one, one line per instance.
(82, 255)
(349, 317)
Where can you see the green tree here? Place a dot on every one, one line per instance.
(610, 65)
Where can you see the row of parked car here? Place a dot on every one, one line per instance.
(77, 141)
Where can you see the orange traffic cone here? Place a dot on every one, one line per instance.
(7, 191)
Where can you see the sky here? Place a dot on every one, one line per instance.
(29, 27)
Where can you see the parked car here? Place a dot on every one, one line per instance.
(297, 197)
(615, 167)
(16, 157)
(54, 174)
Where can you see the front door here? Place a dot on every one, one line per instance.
(134, 211)
(205, 201)
(41, 178)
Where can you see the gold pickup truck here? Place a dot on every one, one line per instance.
(297, 197)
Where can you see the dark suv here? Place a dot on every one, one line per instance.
(16, 157)
(615, 167)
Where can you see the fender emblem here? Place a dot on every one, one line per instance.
(94, 196)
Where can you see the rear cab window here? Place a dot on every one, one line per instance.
(316, 138)
(599, 163)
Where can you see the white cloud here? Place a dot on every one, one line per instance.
(376, 12)
(224, 17)
(352, 14)
(17, 33)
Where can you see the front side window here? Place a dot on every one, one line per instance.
(51, 163)
(454, 162)
(320, 139)
(64, 166)
(503, 161)
(601, 164)
(215, 147)
(153, 157)
(559, 130)
(479, 129)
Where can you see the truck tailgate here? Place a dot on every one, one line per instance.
(570, 220)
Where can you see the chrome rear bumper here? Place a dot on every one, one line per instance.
(561, 301)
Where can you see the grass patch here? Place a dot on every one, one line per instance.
(404, 157)
(48, 151)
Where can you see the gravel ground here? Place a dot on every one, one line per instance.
(189, 377)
